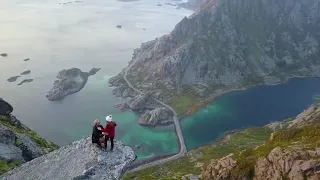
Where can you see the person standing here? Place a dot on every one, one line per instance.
(110, 131)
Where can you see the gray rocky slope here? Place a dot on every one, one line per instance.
(229, 44)
(79, 161)
(18, 143)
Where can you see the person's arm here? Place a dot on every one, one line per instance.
(115, 124)
(104, 130)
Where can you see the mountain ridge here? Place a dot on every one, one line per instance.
(227, 45)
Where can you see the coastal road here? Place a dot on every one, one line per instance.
(182, 145)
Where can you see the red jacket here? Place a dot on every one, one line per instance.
(110, 129)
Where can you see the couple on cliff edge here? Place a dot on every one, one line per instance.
(101, 135)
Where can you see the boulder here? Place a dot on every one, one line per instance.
(158, 116)
(10, 153)
(79, 160)
(5, 108)
(7, 136)
(30, 149)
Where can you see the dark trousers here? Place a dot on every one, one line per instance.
(111, 140)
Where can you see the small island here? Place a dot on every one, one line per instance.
(25, 72)
(25, 81)
(69, 82)
(27, 59)
(3, 54)
(119, 26)
(13, 78)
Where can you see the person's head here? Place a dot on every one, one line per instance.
(96, 122)
(109, 118)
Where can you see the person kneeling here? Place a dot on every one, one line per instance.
(97, 136)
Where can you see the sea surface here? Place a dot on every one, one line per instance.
(83, 34)
(60, 34)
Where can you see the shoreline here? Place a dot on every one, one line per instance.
(204, 103)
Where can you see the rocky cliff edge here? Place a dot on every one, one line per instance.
(81, 160)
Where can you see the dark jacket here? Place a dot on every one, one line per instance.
(110, 129)
(96, 133)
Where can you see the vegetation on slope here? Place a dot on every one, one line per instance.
(49, 146)
(38, 139)
(306, 138)
(5, 167)
(196, 159)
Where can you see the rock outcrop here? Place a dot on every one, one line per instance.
(69, 82)
(5, 107)
(279, 164)
(17, 142)
(79, 161)
(139, 102)
(191, 4)
(229, 44)
(291, 153)
(158, 116)
(93, 71)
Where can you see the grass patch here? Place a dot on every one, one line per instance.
(305, 138)
(7, 166)
(188, 164)
(183, 101)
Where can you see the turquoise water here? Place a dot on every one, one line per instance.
(84, 35)
(254, 107)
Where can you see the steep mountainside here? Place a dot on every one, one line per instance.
(18, 144)
(227, 45)
(281, 150)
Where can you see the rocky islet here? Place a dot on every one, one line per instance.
(25, 81)
(68, 82)
(3, 54)
(13, 78)
(26, 72)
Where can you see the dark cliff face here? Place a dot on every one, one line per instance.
(230, 44)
